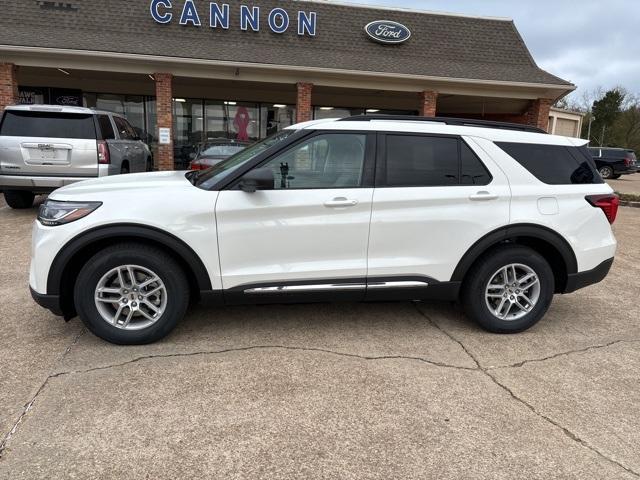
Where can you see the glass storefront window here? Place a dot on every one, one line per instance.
(131, 106)
(276, 117)
(188, 120)
(243, 121)
(334, 112)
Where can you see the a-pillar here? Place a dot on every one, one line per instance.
(304, 111)
(164, 111)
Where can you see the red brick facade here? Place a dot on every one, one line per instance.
(538, 113)
(8, 85)
(164, 108)
(304, 111)
(428, 103)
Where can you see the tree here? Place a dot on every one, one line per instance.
(606, 111)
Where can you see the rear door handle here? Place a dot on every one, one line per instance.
(483, 196)
(340, 202)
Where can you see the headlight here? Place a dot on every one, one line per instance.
(54, 213)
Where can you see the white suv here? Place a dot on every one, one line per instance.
(500, 216)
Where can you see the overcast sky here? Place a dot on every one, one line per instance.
(591, 43)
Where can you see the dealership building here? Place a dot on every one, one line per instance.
(189, 71)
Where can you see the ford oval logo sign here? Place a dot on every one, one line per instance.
(387, 31)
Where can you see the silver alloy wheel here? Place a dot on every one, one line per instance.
(130, 297)
(606, 172)
(512, 291)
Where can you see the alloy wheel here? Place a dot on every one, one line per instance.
(512, 292)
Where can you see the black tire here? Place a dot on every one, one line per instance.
(149, 167)
(606, 172)
(124, 169)
(19, 199)
(151, 258)
(482, 272)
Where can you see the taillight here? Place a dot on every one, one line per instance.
(628, 161)
(198, 166)
(608, 203)
(103, 153)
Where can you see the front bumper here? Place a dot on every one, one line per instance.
(50, 302)
(576, 281)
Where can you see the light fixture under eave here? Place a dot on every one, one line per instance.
(63, 71)
(229, 103)
(326, 108)
(180, 100)
(372, 110)
(279, 105)
(152, 77)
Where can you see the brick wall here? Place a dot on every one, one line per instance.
(164, 107)
(538, 113)
(304, 111)
(8, 85)
(428, 103)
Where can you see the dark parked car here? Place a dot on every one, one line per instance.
(613, 162)
(213, 152)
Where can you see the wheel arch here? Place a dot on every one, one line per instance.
(70, 259)
(551, 245)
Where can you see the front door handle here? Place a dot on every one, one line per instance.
(483, 196)
(340, 202)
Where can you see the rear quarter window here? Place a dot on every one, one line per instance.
(48, 125)
(554, 164)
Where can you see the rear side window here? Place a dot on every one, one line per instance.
(124, 130)
(553, 164)
(427, 161)
(106, 128)
(48, 124)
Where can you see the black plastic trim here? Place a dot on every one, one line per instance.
(50, 302)
(576, 281)
(518, 230)
(132, 231)
(461, 122)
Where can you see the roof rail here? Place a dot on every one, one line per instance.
(461, 122)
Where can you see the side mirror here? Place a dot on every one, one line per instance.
(257, 179)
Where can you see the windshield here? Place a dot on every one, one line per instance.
(218, 172)
(221, 150)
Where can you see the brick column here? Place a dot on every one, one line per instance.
(538, 113)
(304, 111)
(428, 103)
(8, 85)
(164, 110)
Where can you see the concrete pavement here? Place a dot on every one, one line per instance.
(325, 391)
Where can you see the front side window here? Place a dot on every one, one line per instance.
(324, 161)
(123, 129)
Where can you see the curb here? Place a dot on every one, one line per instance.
(626, 203)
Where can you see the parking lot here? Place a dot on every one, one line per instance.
(325, 391)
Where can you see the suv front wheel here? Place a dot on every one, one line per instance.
(131, 294)
(509, 289)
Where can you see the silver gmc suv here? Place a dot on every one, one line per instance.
(44, 147)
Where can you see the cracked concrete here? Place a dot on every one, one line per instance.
(321, 391)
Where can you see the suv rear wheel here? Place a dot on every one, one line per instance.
(606, 172)
(19, 198)
(509, 289)
(131, 294)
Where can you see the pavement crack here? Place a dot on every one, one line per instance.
(563, 354)
(29, 405)
(263, 347)
(529, 406)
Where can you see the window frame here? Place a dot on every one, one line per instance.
(368, 168)
(126, 128)
(381, 161)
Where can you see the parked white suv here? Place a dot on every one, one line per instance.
(43, 147)
(500, 216)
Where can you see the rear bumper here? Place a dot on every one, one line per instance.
(36, 184)
(624, 170)
(50, 302)
(576, 281)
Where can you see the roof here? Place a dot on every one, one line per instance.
(437, 127)
(59, 109)
(441, 45)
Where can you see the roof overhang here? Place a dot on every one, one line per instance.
(257, 72)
